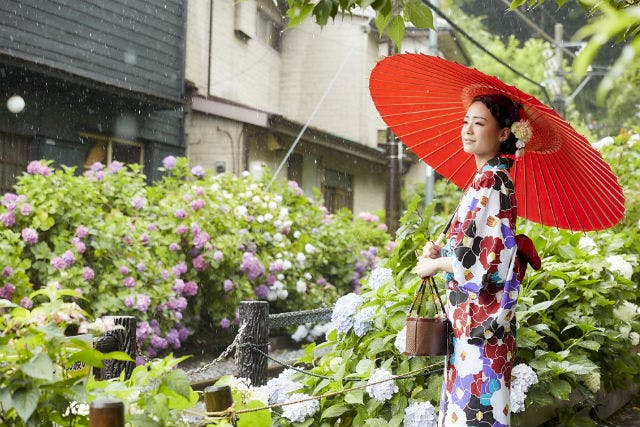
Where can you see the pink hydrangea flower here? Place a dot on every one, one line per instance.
(182, 229)
(26, 303)
(30, 236)
(199, 263)
(7, 291)
(198, 171)
(81, 231)
(8, 219)
(37, 168)
(180, 213)
(115, 166)
(88, 273)
(143, 302)
(26, 209)
(129, 282)
(190, 289)
(7, 272)
(124, 270)
(58, 263)
(69, 258)
(217, 256)
(174, 247)
(198, 204)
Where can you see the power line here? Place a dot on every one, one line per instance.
(482, 48)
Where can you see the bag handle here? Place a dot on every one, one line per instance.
(419, 296)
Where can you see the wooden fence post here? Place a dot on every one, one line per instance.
(120, 339)
(217, 398)
(106, 412)
(254, 316)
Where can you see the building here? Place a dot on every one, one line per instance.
(256, 88)
(100, 81)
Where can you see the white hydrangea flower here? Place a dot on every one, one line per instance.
(300, 257)
(634, 337)
(619, 265)
(278, 198)
(362, 321)
(301, 286)
(296, 234)
(592, 381)
(343, 312)
(401, 340)
(260, 219)
(308, 276)
(309, 248)
(588, 245)
(378, 276)
(215, 187)
(607, 140)
(319, 330)
(284, 212)
(278, 237)
(273, 206)
(286, 265)
(240, 211)
(255, 199)
(420, 414)
(268, 217)
(625, 330)
(281, 387)
(626, 312)
(300, 334)
(297, 412)
(245, 174)
(522, 377)
(381, 386)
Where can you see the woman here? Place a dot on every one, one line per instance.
(481, 271)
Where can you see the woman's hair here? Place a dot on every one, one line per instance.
(506, 112)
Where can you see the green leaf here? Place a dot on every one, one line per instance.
(382, 21)
(334, 411)
(39, 367)
(25, 402)
(298, 13)
(376, 422)
(143, 420)
(355, 397)
(418, 14)
(591, 345)
(396, 30)
(560, 389)
(257, 418)
(322, 11)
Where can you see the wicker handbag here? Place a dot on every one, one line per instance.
(428, 336)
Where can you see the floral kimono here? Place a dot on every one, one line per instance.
(481, 295)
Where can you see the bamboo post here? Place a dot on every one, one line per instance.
(254, 315)
(106, 412)
(119, 339)
(218, 398)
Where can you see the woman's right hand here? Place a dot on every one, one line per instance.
(431, 250)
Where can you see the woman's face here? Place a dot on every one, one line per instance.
(481, 135)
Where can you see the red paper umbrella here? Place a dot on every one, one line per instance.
(561, 181)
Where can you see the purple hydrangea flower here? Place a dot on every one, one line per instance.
(178, 286)
(261, 291)
(124, 270)
(152, 227)
(8, 219)
(227, 285)
(115, 166)
(180, 213)
(37, 168)
(251, 266)
(144, 238)
(7, 272)
(225, 323)
(79, 245)
(26, 209)
(190, 289)
(129, 282)
(199, 263)
(217, 256)
(173, 338)
(143, 302)
(198, 204)
(88, 273)
(199, 191)
(179, 269)
(97, 167)
(9, 198)
(182, 229)
(69, 258)
(128, 301)
(7, 291)
(198, 171)
(169, 162)
(138, 203)
(58, 263)
(26, 303)
(174, 247)
(200, 239)
(81, 231)
(159, 342)
(183, 334)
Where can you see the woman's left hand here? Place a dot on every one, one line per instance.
(426, 267)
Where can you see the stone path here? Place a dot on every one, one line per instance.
(628, 416)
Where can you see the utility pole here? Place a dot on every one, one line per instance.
(558, 99)
(393, 186)
(429, 173)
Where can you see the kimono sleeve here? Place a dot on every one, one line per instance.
(485, 241)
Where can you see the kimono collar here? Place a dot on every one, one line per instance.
(498, 163)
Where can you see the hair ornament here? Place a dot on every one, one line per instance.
(523, 132)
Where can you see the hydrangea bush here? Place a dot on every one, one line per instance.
(181, 253)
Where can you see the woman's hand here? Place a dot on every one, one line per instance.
(431, 250)
(426, 267)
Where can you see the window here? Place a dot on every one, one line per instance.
(268, 29)
(338, 190)
(15, 153)
(107, 150)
